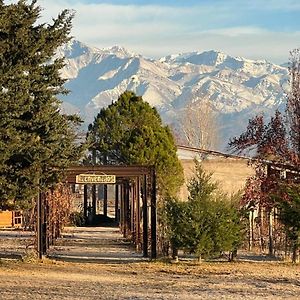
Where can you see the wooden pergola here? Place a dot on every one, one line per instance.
(135, 202)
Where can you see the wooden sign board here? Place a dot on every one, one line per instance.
(95, 179)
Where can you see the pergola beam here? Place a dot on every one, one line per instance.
(123, 174)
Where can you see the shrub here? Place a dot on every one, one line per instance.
(77, 219)
(207, 223)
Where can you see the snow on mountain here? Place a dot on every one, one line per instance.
(237, 88)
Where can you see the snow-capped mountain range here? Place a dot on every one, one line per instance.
(237, 88)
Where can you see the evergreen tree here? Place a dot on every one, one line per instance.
(36, 141)
(130, 131)
(176, 215)
(215, 220)
(208, 223)
(287, 201)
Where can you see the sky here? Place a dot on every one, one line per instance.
(254, 29)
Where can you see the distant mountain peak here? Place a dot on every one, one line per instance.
(210, 58)
(120, 51)
(73, 49)
(237, 87)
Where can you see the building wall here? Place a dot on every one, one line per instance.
(230, 173)
(11, 219)
(6, 218)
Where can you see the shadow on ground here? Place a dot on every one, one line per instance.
(94, 244)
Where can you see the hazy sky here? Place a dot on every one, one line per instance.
(259, 29)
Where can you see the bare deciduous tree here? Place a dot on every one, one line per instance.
(293, 104)
(275, 141)
(199, 124)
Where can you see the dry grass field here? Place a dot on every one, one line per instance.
(149, 280)
(96, 263)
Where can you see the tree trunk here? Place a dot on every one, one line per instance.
(271, 241)
(260, 230)
(199, 258)
(294, 245)
(175, 254)
(232, 255)
(250, 230)
(294, 254)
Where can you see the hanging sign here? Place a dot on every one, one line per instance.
(93, 178)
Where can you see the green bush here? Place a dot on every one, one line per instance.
(287, 200)
(207, 223)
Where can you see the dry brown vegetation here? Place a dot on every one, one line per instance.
(102, 265)
(112, 270)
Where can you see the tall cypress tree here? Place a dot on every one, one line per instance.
(36, 141)
(130, 131)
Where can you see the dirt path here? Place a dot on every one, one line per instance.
(98, 244)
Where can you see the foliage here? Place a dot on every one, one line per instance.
(177, 215)
(277, 141)
(268, 140)
(130, 131)
(58, 210)
(288, 203)
(77, 219)
(36, 140)
(208, 223)
(293, 105)
(259, 189)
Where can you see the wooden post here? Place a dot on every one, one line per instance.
(85, 202)
(44, 224)
(153, 214)
(145, 217)
(94, 201)
(270, 220)
(126, 209)
(105, 193)
(122, 215)
(117, 217)
(132, 202)
(39, 226)
(137, 214)
(94, 190)
(105, 200)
